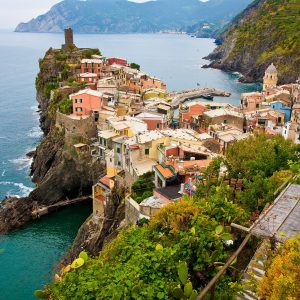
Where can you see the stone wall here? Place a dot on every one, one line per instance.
(132, 211)
(85, 128)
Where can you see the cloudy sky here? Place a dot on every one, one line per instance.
(15, 11)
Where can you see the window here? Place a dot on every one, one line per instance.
(158, 125)
(78, 100)
(146, 151)
(257, 105)
(118, 149)
(279, 120)
(225, 122)
(119, 163)
(79, 109)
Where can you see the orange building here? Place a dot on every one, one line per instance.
(251, 101)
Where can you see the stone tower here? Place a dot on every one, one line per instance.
(270, 78)
(69, 41)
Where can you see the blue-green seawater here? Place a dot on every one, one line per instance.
(28, 256)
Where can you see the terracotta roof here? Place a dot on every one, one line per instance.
(105, 180)
(165, 172)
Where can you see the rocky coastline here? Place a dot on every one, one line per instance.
(58, 173)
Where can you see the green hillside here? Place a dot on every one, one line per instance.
(267, 31)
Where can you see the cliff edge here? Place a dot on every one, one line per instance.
(57, 170)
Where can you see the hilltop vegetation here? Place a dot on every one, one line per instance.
(122, 16)
(186, 243)
(267, 31)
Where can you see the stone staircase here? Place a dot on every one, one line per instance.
(253, 274)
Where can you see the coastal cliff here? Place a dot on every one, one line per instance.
(122, 16)
(96, 232)
(266, 32)
(57, 170)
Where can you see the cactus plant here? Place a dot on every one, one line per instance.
(83, 255)
(77, 263)
(185, 290)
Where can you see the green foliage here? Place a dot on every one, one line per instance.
(135, 66)
(270, 34)
(143, 187)
(77, 263)
(182, 271)
(259, 154)
(89, 52)
(84, 256)
(295, 168)
(49, 87)
(65, 106)
(154, 261)
(281, 280)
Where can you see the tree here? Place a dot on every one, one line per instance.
(282, 279)
(65, 106)
(259, 154)
(135, 66)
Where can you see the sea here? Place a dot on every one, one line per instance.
(28, 256)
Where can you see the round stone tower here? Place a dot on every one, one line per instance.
(270, 78)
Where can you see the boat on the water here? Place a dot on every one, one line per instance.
(208, 97)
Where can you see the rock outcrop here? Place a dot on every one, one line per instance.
(97, 231)
(58, 170)
(267, 31)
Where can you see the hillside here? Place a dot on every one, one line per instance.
(267, 31)
(122, 16)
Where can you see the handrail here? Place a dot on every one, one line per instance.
(224, 268)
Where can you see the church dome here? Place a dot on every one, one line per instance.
(271, 69)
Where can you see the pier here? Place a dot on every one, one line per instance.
(39, 211)
(181, 97)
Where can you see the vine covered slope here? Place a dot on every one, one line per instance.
(265, 32)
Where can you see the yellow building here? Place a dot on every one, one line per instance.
(270, 78)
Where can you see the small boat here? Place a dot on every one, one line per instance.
(208, 97)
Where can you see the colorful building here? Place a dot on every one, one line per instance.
(117, 60)
(271, 78)
(155, 121)
(251, 101)
(85, 102)
(92, 66)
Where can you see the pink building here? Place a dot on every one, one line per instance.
(251, 101)
(117, 60)
(154, 121)
(92, 66)
(87, 101)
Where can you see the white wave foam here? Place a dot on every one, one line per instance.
(22, 163)
(35, 132)
(23, 189)
(3, 173)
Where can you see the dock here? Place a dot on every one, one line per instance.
(39, 211)
(181, 97)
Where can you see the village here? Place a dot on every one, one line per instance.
(127, 119)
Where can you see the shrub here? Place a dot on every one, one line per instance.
(282, 279)
(65, 106)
